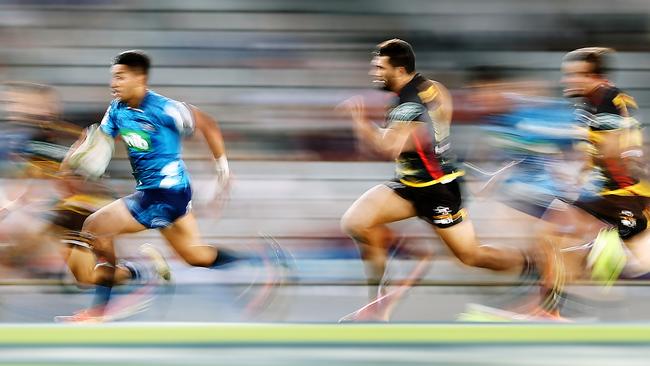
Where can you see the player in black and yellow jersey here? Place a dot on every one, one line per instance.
(610, 211)
(618, 191)
(416, 134)
(55, 203)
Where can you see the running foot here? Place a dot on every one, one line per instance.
(607, 257)
(277, 265)
(120, 308)
(279, 256)
(90, 315)
(483, 313)
(160, 265)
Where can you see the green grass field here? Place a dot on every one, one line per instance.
(179, 334)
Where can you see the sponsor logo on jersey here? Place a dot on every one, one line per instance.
(136, 140)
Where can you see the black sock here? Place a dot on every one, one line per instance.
(226, 257)
(102, 295)
(529, 271)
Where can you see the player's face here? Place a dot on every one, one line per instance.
(25, 105)
(577, 78)
(125, 82)
(382, 72)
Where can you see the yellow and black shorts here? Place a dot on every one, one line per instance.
(625, 212)
(439, 204)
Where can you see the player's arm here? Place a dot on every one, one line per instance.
(65, 164)
(209, 128)
(390, 140)
(622, 145)
(93, 150)
(619, 136)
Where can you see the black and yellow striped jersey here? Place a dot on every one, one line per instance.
(430, 161)
(616, 140)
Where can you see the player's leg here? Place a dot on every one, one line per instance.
(562, 245)
(462, 241)
(101, 228)
(67, 222)
(81, 262)
(638, 265)
(365, 222)
(624, 241)
(184, 237)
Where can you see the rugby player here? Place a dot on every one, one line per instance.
(416, 134)
(152, 126)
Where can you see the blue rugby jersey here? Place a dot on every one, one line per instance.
(152, 133)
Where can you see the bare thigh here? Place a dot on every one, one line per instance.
(379, 205)
(112, 220)
(184, 236)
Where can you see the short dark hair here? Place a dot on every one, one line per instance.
(136, 60)
(399, 52)
(600, 58)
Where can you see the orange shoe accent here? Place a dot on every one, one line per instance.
(90, 315)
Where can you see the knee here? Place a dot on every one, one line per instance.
(354, 227)
(97, 230)
(86, 279)
(92, 223)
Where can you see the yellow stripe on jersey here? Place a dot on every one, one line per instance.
(623, 101)
(444, 179)
(429, 94)
(640, 189)
(42, 169)
(85, 202)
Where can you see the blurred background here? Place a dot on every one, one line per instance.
(272, 73)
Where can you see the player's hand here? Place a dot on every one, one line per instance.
(213, 192)
(356, 108)
(223, 172)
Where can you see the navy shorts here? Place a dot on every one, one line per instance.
(159, 208)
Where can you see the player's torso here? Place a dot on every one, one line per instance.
(426, 158)
(153, 145)
(606, 111)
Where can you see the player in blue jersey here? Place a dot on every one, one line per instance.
(537, 135)
(533, 132)
(152, 126)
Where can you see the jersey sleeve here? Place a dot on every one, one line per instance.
(181, 116)
(615, 112)
(407, 112)
(108, 124)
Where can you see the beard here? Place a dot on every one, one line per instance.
(382, 85)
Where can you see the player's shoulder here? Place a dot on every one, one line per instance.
(612, 100)
(430, 90)
(158, 101)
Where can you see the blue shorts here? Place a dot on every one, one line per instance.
(159, 208)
